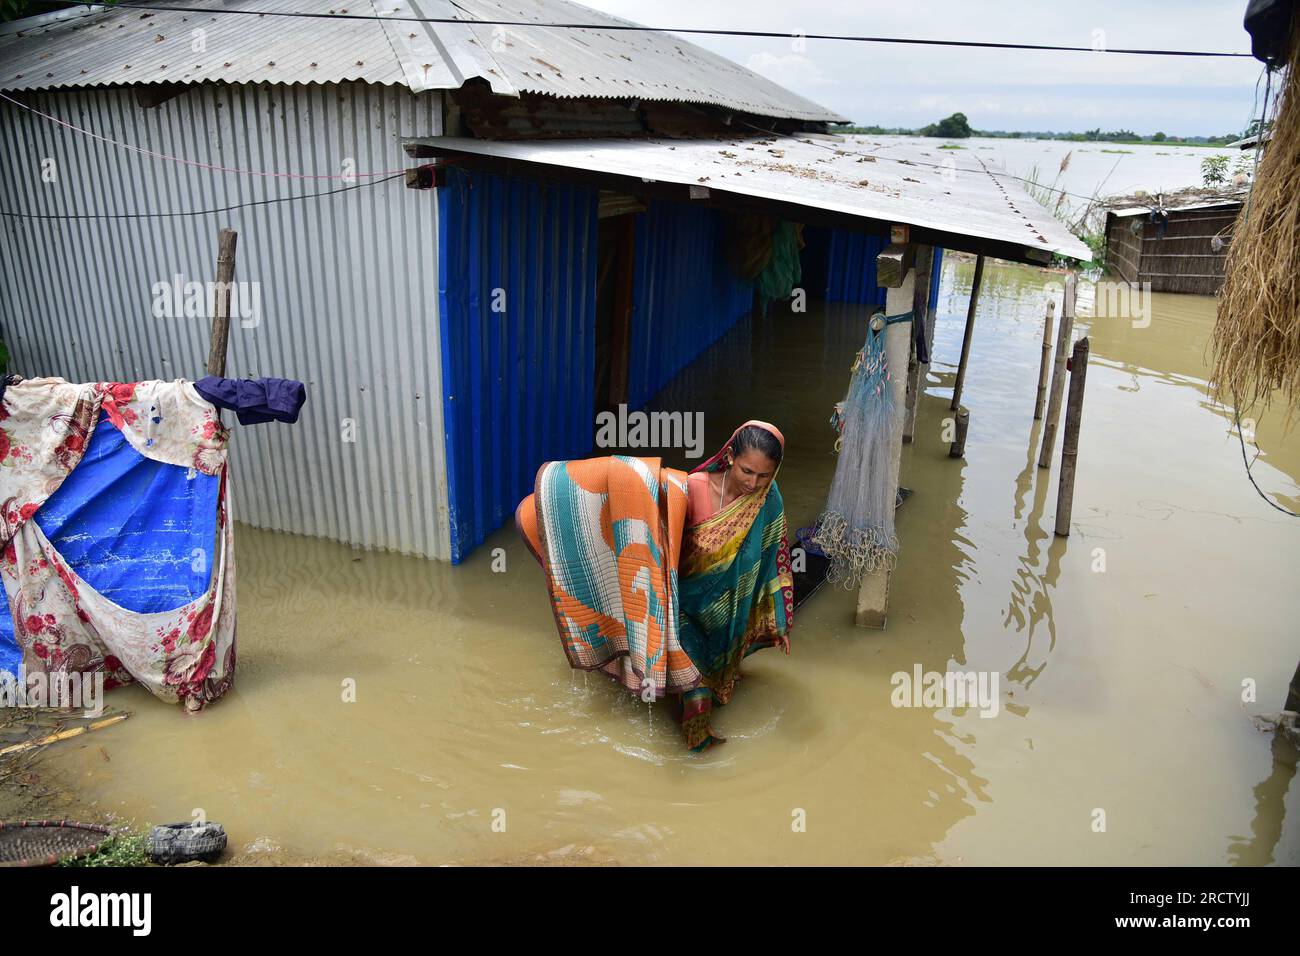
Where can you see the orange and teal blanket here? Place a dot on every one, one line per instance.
(608, 533)
(660, 607)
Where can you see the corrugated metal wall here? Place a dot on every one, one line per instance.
(347, 283)
(841, 266)
(519, 381)
(684, 296)
(936, 273)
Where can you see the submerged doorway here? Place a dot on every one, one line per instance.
(615, 256)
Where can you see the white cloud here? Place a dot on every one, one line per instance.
(790, 70)
(898, 85)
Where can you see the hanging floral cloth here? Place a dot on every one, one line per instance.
(116, 539)
(856, 530)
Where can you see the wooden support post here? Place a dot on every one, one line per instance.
(873, 593)
(958, 448)
(970, 331)
(1070, 442)
(1046, 361)
(226, 240)
(918, 371)
(1063, 336)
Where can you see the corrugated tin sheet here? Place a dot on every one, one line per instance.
(131, 46)
(518, 383)
(102, 47)
(685, 296)
(1227, 204)
(849, 270)
(648, 65)
(347, 285)
(936, 274)
(895, 184)
(851, 267)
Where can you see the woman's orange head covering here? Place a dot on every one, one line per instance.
(721, 453)
(766, 426)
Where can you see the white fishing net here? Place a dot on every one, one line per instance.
(856, 531)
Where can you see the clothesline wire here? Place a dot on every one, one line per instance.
(198, 212)
(640, 28)
(397, 172)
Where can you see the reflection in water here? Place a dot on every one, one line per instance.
(1029, 606)
(1270, 809)
(1119, 687)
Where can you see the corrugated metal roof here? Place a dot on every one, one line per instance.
(896, 184)
(1247, 142)
(1226, 203)
(107, 47)
(647, 65)
(104, 46)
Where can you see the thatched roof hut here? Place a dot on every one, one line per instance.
(1182, 249)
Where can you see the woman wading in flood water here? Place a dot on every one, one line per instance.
(736, 589)
(662, 581)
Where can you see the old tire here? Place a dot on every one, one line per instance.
(184, 843)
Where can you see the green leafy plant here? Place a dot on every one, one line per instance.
(126, 849)
(1214, 170)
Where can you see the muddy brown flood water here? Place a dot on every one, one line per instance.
(1121, 690)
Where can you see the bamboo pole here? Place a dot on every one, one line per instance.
(1063, 335)
(63, 735)
(958, 448)
(1070, 442)
(1046, 362)
(226, 240)
(966, 336)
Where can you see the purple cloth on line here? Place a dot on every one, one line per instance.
(255, 400)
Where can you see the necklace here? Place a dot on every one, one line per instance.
(723, 493)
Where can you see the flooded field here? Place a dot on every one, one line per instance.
(1121, 688)
(1107, 169)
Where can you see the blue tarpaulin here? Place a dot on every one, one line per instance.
(138, 531)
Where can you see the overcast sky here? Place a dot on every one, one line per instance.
(909, 86)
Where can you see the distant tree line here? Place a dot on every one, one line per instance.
(957, 126)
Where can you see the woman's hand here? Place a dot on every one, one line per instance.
(783, 642)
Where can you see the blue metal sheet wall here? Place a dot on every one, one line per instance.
(850, 268)
(517, 291)
(684, 293)
(936, 273)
